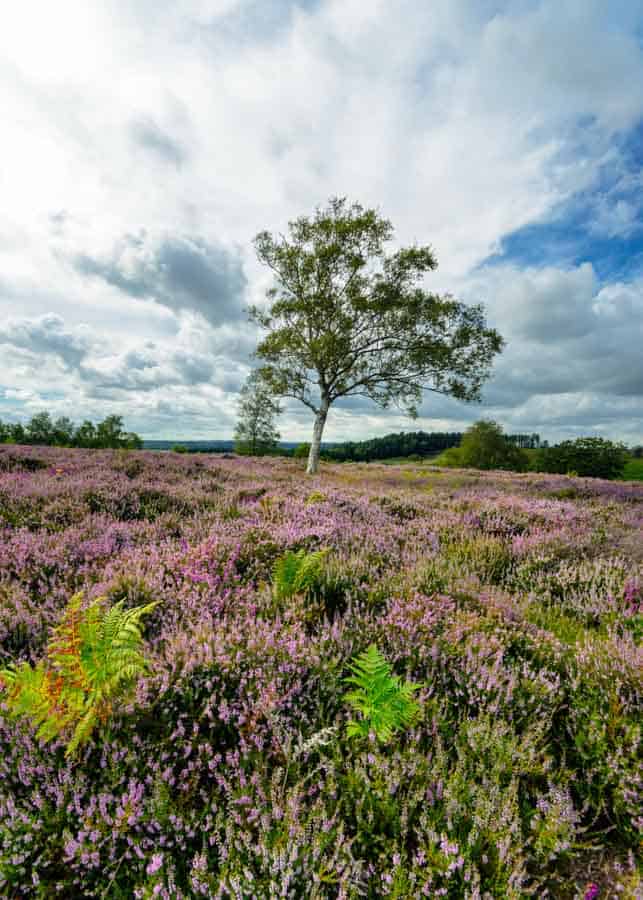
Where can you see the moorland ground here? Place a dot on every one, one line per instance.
(513, 599)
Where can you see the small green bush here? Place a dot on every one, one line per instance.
(451, 458)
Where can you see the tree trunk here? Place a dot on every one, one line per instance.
(320, 420)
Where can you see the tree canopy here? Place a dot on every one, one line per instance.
(346, 319)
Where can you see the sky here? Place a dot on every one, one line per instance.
(146, 142)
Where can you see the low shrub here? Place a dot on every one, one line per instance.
(484, 446)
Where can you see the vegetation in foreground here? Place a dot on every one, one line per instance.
(383, 683)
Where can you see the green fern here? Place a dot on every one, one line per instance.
(385, 703)
(93, 657)
(297, 573)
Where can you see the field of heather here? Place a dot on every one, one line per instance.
(229, 770)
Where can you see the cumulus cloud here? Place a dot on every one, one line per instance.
(573, 348)
(47, 335)
(92, 368)
(148, 368)
(544, 306)
(182, 273)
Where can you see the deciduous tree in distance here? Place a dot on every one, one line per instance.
(484, 446)
(337, 327)
(255, 433)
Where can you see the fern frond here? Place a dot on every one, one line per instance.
(82, 731)
(63, 649)
(385, 703)
(297, 572)
(93, 655)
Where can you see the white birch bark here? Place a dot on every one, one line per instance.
(320, 420)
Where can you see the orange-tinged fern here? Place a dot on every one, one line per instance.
(92, 659)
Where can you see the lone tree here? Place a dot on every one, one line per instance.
(337, 327)
(484, 446)
(255, 433)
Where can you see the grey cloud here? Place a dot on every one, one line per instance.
(146, 133)
(47, 335)
(580, 412)
(566, 382)
(545, 305)
(105, 373)
(193, 367)
(58, 220)
(147, 369)
(178, 272)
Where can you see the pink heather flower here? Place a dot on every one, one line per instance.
(592, 891)
(71, 848)
(200, 863)
(155, 864)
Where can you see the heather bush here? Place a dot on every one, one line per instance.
(229, 768)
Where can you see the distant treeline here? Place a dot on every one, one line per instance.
(526, 441)
(41, 429)
(416, 443)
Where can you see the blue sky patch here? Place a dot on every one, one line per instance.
(603, 225)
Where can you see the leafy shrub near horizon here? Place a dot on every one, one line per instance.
(510, 770)
(586, 456)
